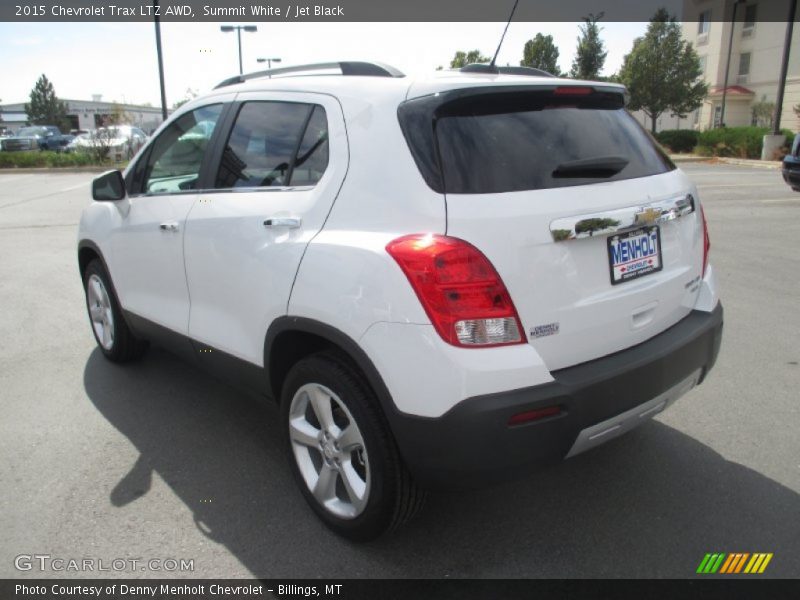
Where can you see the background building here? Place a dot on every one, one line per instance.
(89, 114)
(755, 60)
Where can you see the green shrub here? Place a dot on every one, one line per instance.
(49, 160)
(678, 140)
(738, 142)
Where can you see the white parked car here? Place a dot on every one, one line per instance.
(443, 281)
(122, 141)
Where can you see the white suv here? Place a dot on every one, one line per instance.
(442, 281)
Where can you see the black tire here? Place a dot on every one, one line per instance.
(124, 346)
(393, 497)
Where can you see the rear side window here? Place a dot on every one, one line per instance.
(275, 144)
(507, 142)
(312, 156)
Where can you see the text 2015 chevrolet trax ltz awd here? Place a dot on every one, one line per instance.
(442, 281)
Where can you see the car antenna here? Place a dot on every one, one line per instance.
(511, 16)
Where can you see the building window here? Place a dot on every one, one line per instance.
(749, 19)
(704, 22)
(744, 67)
(703, 65)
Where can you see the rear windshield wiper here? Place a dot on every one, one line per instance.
(600, 166)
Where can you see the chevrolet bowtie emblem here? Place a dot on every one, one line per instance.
(647, 216)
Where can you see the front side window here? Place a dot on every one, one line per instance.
(173, 163)
(275, 144)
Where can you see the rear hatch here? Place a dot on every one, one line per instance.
(596, 234)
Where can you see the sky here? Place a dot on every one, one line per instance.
(118, 60)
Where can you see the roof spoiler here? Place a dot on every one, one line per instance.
(495, 70)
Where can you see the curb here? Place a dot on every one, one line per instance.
(742, 162)
(758, 164)
(688, 158)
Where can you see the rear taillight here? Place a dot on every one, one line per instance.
(458, 287)
(706, 240)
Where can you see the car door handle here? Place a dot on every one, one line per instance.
(169, 227)
(288, 222)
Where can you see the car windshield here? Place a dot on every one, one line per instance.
(31, 131)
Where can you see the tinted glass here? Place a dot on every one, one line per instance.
(174, 160)
(263, 143)
(312, 156)
(526, 143)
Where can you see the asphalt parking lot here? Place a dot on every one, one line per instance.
(157, 460)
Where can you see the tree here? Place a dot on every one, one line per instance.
(662, 72)
(44, 107)
(591, 54)
(763, 112)
(462, 59)
(541, 53)
(190, 95)
(117, 116)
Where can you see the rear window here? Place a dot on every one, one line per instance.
(507, 142)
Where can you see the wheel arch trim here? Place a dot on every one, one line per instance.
(85, 244)
(288, 324)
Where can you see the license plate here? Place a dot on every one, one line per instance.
(634, 254)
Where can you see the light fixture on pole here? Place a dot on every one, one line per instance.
(238, 29)
(269, 62)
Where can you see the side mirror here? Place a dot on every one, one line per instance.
(110, 186)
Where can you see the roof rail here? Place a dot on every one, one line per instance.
(348, 68)
(495, 70)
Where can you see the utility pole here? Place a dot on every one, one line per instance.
(776, 121)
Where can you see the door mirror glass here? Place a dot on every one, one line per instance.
(108, 187)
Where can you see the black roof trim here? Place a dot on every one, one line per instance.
(347, 68)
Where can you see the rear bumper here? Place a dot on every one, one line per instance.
(472, 444)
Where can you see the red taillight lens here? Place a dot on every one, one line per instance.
(534, 415)
(460, 290)
(573, 90)
(706, 241)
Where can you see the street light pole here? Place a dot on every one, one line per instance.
(160, 62)
(238, 29)
(239, 37)
(269, 62)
